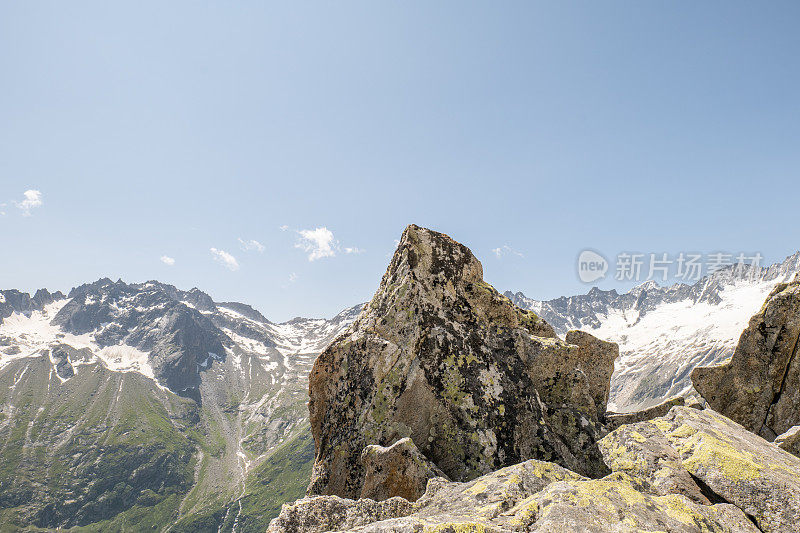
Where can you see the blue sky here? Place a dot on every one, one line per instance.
(173, 128)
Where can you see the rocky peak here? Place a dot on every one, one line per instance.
(13, 301)
(476, 383)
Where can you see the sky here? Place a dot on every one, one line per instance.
(272, 153)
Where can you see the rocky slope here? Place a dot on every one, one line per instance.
(438, 355)
(142, 403)
(665, 332)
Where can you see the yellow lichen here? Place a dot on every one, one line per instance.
(457, 527)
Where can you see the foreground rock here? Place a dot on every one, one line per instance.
(760, 386)
(476, 383)
(689, 471)
(397, 470)
(531, 496)
(704, 453)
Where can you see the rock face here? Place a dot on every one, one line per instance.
(397, 470)
(477, 383)
(760, 386)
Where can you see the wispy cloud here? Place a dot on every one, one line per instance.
(506, 250)
(353, 250)
(167, 260)
(318, 243)
(225, 259)
(250, 245)
(284, 227)
(292, 277)
(33, 198)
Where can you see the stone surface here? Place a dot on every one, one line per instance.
(531, 496)
(790, 441)
(728, 463)
(440, 356)
(643, 452)
(615, 420)
(760, 386)
(332, 513)
(396, 470)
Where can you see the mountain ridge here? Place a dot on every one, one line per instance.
(665, 331)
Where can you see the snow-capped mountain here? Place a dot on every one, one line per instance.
(217, 389)
(664, 332)
(169, 335)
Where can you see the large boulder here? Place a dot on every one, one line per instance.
(760, 386)
(643, 452)
(696, 453)
(477, 383)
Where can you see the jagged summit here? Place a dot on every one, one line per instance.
(158, 330)
(148, 390)
(438, 355)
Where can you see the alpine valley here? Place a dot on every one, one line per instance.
(132, 407)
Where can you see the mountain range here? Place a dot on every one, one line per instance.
(665, 332)
(124, 406)
(130, 404)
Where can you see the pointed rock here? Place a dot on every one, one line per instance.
(477, 383)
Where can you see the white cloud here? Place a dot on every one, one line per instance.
(353, 250)
(506, 250)
(284, 227)
(318, 243)
(252, 244)
(292, 277)
(167, 260)
(226, 259)
(32, 199)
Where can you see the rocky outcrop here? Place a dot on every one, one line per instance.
(533, 496)
(760, 386)
(643, 452)
(332, 513)
(475, 382)
(689, 471)
(726, 462)
(397, 470)
(13, 301)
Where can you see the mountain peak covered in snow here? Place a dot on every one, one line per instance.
(665, 331)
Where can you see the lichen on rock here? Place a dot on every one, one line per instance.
(438, 355)
(396, 470)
